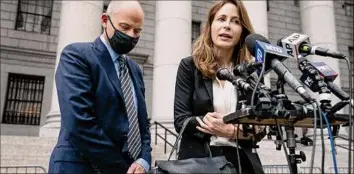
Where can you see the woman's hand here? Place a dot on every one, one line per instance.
(213, 124)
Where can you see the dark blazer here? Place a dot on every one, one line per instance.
(94, 123)
(194, 97)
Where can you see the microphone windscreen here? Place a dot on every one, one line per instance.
(250, 42)
(223, 74)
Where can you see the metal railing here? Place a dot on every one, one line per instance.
(340, 170)
(285, 169)
(307, 170)
(344, 146)
(276, 169)
(22, 169)
(164, 137)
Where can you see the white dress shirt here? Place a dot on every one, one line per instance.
(225, 100)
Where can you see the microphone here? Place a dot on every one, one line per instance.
(249, 72)
(329, 75)
(246, 68)
(295, 44)
(224, 74)
(325, 71)
(300, 44)
(312, 78)
(337, 91)
(272, 55)
(321, 51)
(261, 48)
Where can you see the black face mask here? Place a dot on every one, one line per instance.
(120, 42)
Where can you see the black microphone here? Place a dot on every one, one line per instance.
(300, 44)
(249, 72)
(224, 74)
(337, 91)
(321, 51)
(271, 56)
(247, 68)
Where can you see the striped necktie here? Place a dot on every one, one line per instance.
(134, 140)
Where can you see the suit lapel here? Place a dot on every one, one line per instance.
(106, 61)
(209, 86)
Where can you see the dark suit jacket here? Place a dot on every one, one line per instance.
(94, 123)
(194, 97)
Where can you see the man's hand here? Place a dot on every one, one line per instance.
(136, 168)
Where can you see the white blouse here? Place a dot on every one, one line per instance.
(225, 100)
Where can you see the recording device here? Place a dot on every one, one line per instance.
(224, 74)
(297, 44)
(272, 56)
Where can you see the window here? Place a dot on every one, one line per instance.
(34, 16)
(348, 6)
(195, 30)
(23, 100)
(267, 5)
(105, 6)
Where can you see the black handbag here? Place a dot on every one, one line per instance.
(209, 164)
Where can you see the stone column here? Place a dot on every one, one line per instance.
(257, 11)
(80, 21)
(172, 43)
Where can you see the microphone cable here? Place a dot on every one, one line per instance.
(322, 138)
(331, 139)
(258, 81)
(314, 138)
(350, 115)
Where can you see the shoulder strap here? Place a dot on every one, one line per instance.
(185, 123)
(180, 136)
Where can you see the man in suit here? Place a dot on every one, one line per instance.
(104, 125)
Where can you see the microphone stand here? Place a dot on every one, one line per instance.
(283, 105)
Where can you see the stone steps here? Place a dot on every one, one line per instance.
(21, 140)
(35, 151)
(34, 169)
(26, 151)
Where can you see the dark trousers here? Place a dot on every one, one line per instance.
(250, 162)
(84, 167)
